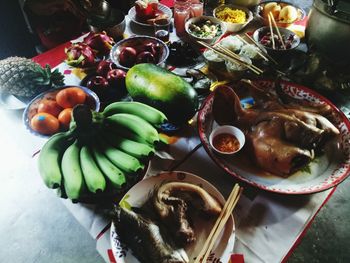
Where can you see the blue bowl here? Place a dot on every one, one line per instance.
(92, 101)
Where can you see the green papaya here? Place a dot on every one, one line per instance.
(162, 90)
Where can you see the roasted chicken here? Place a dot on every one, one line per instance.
(172, 202)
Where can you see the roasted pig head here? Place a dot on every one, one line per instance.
(274, 154)
(227, 109)
(281, 138)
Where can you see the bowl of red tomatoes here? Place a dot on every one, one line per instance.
(51, 111)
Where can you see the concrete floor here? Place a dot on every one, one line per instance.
(31, 215)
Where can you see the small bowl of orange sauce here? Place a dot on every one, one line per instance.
(227, 139)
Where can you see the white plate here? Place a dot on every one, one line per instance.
(10, 102)
(325, 172)
(139, 193)
(132, 14)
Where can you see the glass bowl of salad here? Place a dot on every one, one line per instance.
(205, 28)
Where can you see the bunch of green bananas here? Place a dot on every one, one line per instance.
(101, 150)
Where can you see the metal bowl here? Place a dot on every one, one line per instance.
(133, 42)
(92, 101)
(114, 24)
(99, 8)
(245, 3)
(235, 27)
(284, 31)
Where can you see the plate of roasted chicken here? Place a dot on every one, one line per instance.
(297, 142)
(167, 218)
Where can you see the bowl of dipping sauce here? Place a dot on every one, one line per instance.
(227, 139)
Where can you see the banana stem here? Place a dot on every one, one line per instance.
(82, 115)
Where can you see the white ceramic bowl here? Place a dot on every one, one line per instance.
(197, 19)
(236, 71)
(230, 130)
(235, 27)
(214, 61)
(132, 14)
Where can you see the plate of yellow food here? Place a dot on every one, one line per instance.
(235, 17)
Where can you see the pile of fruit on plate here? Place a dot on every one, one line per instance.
(51, 111)
(283, 12)
(150, 11)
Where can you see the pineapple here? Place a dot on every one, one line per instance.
(24, 78)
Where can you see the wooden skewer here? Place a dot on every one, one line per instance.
(225, 56)
(250, 66)
(245, 42)
(242, 39)
(233, 59)
(262, 50)
(277, 30)
(271, 32)
(219, 224)
(238, 57)
(223, 222)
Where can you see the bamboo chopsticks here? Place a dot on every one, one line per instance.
(272, 18)
(229, 52)
(271, 32)
(262, 50)
(220, 223)
(229, 55)
(245, 42)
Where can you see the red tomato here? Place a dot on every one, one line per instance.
(69, 97)
(45, 123)
(49, 106)
(65, 117)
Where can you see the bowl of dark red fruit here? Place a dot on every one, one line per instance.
(139, 49)
(276, 41)
(107, 81)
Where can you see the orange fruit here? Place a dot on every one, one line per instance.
(69, 97)
(65, 117)
(49, 106)
(45, 123)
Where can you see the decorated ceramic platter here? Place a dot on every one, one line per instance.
(132, 14)
(138, 195)
(324, 171)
